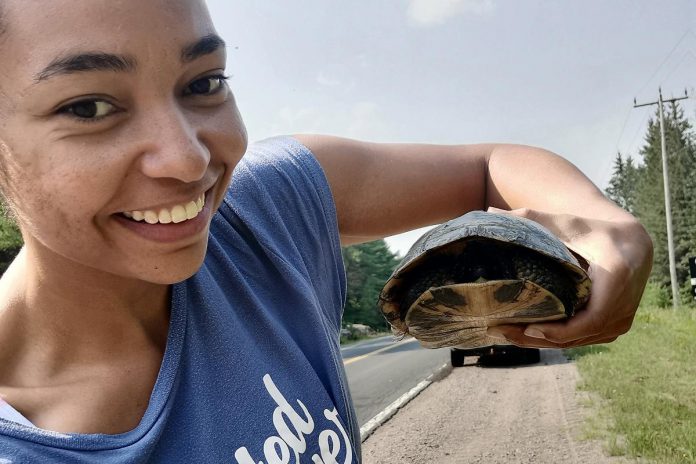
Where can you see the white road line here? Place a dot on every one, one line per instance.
(363, 356)
(350, 348)
(372, 425)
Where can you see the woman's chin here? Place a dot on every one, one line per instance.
(169, 270)
(170, 278)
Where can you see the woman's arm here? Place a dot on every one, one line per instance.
(385, 189)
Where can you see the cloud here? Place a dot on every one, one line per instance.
(362, 60)
(292, 120)
(432, 12)
(327, 81)
(338, 76)
(365, 122)
(360, 120)
(401, 243)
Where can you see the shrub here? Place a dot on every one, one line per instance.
(10, 239)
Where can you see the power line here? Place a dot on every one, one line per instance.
(668, 209)
(623, 128)
(657, 70)
(669, 55)
(687, 54)
(637, 133)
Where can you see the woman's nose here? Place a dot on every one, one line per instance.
(175, 150)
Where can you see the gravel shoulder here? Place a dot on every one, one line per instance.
(527, 414)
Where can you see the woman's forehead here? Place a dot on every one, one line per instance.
(39, 31)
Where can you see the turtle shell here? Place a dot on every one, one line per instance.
(481, 270)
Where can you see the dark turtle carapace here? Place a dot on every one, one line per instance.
(482, 270)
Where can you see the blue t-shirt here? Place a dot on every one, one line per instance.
(252, 371)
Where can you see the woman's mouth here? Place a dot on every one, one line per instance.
(170, 224)
(175, 214)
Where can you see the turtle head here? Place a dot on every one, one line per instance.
(481, 261)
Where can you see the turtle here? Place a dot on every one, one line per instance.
(481, 270)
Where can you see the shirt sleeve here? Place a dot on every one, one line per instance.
(281, 193)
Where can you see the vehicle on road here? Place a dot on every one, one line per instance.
(497, 354)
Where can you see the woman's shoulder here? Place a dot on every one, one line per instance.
(278, 156)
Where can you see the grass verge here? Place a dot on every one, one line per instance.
(644, 386)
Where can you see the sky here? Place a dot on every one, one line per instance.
(557, 74)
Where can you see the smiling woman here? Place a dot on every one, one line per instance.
(179, 294)
(137, 324)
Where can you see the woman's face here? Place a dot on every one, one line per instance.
(110, 109)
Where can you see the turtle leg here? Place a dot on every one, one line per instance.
(460, 314)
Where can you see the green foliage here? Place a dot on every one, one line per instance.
(368, 266)
(10, 236)
(643, 384)
(640, 190)
(10, 239)
(622, 186)
(655, 296)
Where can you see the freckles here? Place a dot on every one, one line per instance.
(42, 206)
(49, 209)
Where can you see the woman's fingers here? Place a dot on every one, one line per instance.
(515, 334)
(590, 321)
(620, 257)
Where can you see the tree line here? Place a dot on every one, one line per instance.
(368, 266)
(10, 238)
(637, 186)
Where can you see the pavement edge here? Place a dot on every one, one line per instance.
(388, 412)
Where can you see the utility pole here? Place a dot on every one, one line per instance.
(668, 209)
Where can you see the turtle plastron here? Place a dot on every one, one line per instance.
(459, 314)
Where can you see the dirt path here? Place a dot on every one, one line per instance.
(491, 415)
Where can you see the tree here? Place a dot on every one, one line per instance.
(649, 193)
(368, 266)
(622, 186)
(10, 238)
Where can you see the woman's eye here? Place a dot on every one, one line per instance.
(89, 109)
(206, 86)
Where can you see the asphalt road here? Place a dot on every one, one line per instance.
(524, 414)
(382, 369)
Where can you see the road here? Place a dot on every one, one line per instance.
(382, 369)
(492, 415)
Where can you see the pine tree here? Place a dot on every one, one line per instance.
(622, 186)
(649, 193)
(368, 266)
(683, 168)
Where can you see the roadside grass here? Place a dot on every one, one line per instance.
(642, 387)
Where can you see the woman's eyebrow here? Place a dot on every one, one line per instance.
(89, 61)
(203, 46)
(101, 61)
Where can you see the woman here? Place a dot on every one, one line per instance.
(156, 314)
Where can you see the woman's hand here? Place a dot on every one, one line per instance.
(619, 254)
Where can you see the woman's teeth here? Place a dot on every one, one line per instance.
(177, 214)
